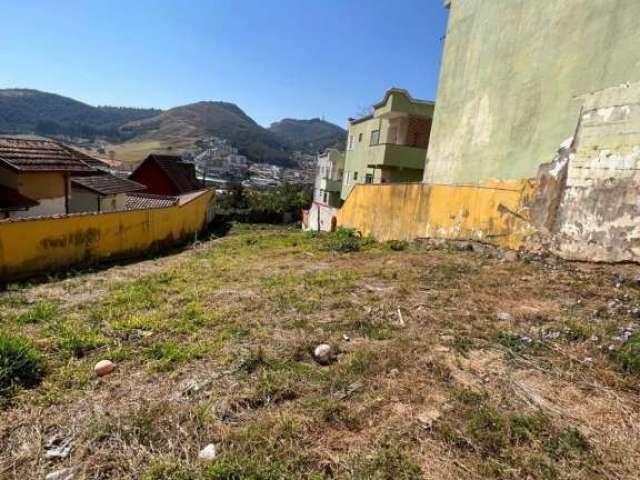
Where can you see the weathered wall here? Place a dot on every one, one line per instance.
(599, 210)
(491, 213)
(511, 74)
(33, 246)
(320, 217)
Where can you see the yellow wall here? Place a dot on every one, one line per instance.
(37, 245)
(493, 212)
(34, 185)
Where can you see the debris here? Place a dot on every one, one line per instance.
(394, 372)
(64, 474)
(400, 319)
(526, 339)
(427, 418)
(103, 367)
(208, 453)
(350, 390)
(504, 316)
(323, 354)
(442, 349)
(58, 447)
(551, 336)
(346, 338)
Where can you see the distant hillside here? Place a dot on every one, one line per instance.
(182, 126)
(32, 111)
(309, 135)
(129, 134)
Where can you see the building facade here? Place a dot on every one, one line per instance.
(390, 144)
(512, 80)
(321, 216)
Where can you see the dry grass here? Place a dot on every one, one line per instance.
(213, 346)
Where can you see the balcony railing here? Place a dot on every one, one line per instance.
(399, 156)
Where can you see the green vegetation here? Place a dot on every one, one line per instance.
(20, 364)
(215, 345)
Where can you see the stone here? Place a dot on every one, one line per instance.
(346, 338)
(58, 447)
(63, 474)
(323, 354)
(208, 453)
(510, 256)
(103, 367)
(504, 316)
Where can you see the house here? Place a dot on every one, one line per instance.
(326, 192)
(35, 176)
(390, 144)
(101, 192)
(166, 175)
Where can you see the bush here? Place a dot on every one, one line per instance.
(347, 240)
(629, 354)
(20, 364)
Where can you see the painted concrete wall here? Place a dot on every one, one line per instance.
(34, 246)
(488, 213)
(82, 200)
(597, 182)
(511, 76)
(46, 188)
(320, 218)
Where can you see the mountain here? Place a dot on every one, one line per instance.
(129, 134)
(186, 124)
(32, 111)
(309, 136)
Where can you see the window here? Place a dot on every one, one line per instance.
(340, 174)
(359, 138)
(375, 137)
(325, 197)
(350, 142)
(368, 178)
(355, 176)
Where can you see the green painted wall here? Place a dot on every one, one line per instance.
(511, 74)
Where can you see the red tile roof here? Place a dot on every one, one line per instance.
(41, 155)
(106, 184)
(137, 201)
(11, 200)
(182, 174)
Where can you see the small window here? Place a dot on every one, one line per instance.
(368, 178)
(340, 174)
(375, 137)
(355, 176)
(359, 138)
(350, 142)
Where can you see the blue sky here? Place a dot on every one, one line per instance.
(274, 58)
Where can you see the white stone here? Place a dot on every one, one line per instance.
(504, 316)
(208, 453)
(103, 367)
(323, 354)
(64, 474)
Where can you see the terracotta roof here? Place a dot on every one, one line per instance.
(41, 155)
(11, 200)
(137, 201)
(106, 184)
(182, 174)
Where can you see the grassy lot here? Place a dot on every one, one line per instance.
(450, 364)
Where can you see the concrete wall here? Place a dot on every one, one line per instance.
(511, 77)
(319, 218)
(488, 213)
(46, 188)
(596, 183)
(34, 246)
(83, 200)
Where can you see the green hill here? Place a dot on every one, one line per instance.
(309, 136)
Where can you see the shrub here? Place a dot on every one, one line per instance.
(20, 364)
(629, 354)
(347, 240)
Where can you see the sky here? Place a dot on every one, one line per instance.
(274, 58)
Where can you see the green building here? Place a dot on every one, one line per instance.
(512, 80)
(390, 144)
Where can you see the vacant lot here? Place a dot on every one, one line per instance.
(449, 364)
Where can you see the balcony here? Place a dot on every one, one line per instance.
(330, 185)
(389, 155)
